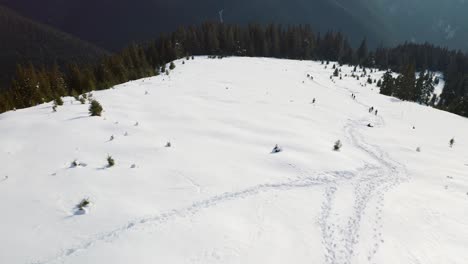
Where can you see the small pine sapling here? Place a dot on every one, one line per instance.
(336, 73)
(172, 66)
(110, 161)
(74, 164)
(337, 146)
(276, 149)
(58, 101)
(95, 109)
(82, 206)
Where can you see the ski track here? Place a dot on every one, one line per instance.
(306, 182)
(340, 235)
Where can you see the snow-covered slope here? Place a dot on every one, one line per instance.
(218, 194)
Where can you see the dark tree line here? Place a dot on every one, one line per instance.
(34, 84)
(410, 58)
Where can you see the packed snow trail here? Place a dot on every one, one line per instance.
(307, 182)
(340, 234)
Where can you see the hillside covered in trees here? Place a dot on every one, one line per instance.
(23, 41)
(34, 85)
(115, 24)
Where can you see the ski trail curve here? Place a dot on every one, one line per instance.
(322, 178)
(342, 235)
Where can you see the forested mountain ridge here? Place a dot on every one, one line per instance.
(33, 85)
(115, 24)
(24, 41)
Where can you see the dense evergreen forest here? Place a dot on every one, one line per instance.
(23, 40)
(35, 84)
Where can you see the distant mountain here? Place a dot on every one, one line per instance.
(23, 40)
(439, 22)
(113, 24)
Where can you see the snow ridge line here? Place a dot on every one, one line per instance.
(323, 178)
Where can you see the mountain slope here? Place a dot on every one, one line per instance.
(218, 194)
(439, 22)
(26, 41)
(113, 24)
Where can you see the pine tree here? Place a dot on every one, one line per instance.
(172, 66)
(58, 85)
(58, 101)
(405, 84)
(362, 52)
(418, 88)
(336, 73)
(337, 146)
(110, 161)
(427, 90)
(388, 84)
(95, 109)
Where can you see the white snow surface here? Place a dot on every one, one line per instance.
(218, 194)
(439, 88)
